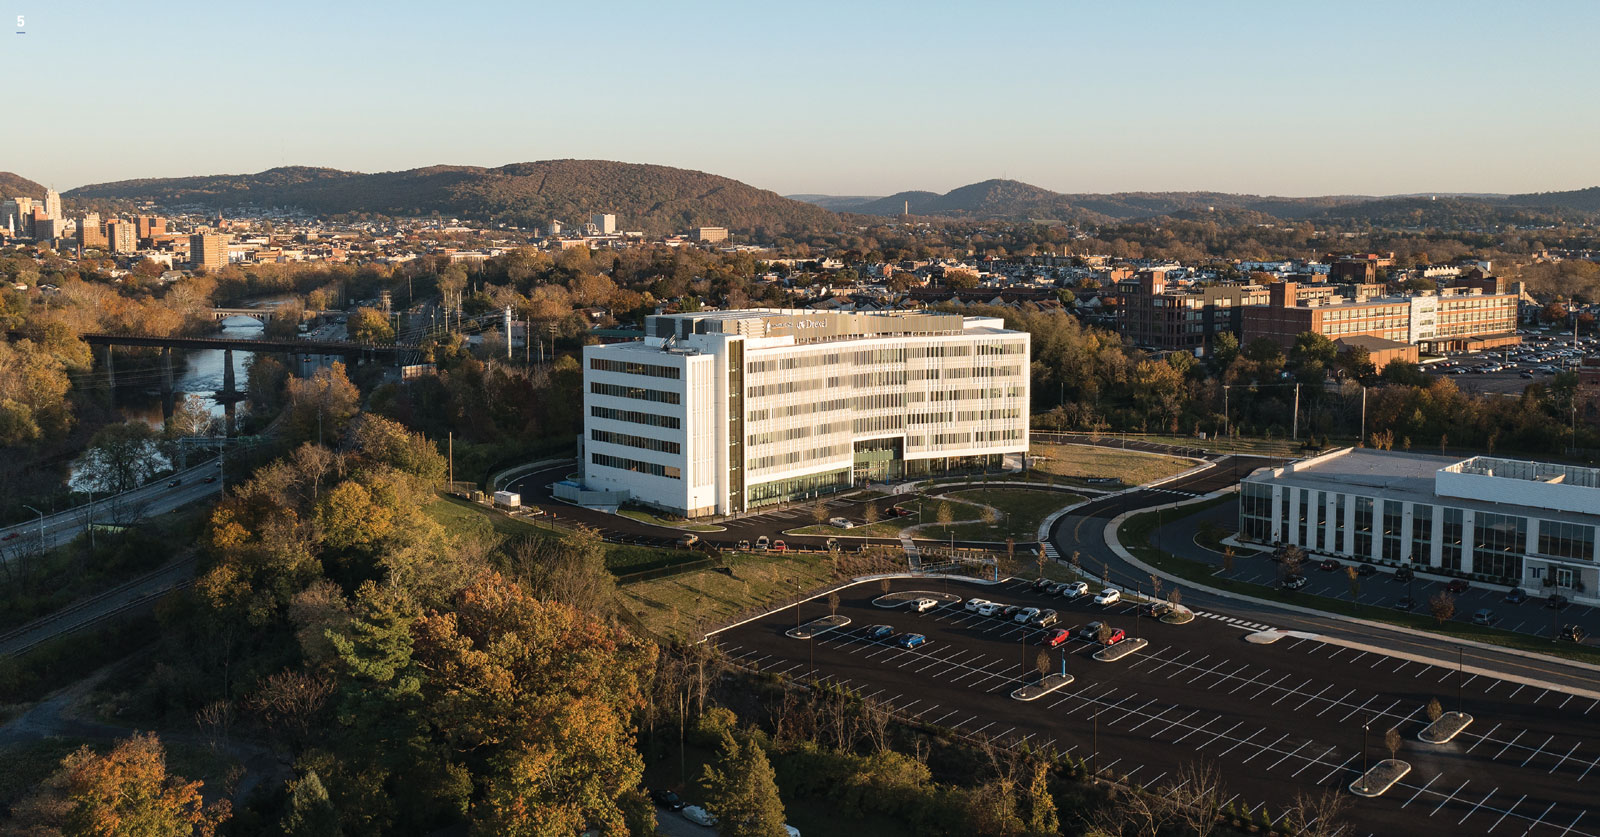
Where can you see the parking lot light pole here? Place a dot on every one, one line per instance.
(1094, 755)
(1364, 725)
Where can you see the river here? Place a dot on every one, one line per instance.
(200, 374)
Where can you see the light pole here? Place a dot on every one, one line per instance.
(1364, 725)
(41, 523)
(1094, 755)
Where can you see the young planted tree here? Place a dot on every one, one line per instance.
(819, 512)
(1227, 559)
(1291, 558)
(1392, 741)
(944, 515)
(1442, 606)
(1434, 710)
(1355, 582)
(1175, 597)
(870, 514)
(833, 603)
(1042, 663)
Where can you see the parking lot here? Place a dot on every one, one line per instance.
(1510, 371)
(1276, 718)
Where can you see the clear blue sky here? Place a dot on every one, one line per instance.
(863, 97)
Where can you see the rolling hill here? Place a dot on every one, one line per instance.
(655, 199)
(15, 186)
(1015, 201)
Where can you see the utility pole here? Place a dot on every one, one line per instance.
(1362, 438)
(450, 442)
(508, 333)
(1297, 411)
(1227, 429)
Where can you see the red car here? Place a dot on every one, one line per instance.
(779, 546)
(9, 536)
(1117, 635)
(1056, 637)
(1458, 586)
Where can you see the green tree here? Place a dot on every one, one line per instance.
(310, 814)
(369, 325)
(119, 457)
(320, 406)
(742, 791)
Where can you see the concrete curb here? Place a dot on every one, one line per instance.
(497, 480)
(1393, 771)
(840, 586)
(1122, 552)
(1125, 648)
(1049, 684)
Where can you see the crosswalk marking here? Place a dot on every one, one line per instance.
(1235, 621)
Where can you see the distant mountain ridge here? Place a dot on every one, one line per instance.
(654, 199)
(16, 186)
(1010, 200)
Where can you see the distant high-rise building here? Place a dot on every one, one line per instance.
(121, 236)
(48, 229)
(606, 224)
(90, 233)
(711, 234)
(555, 228)
(16, 215)
(149, 226)
(208, 250)
(52, 203)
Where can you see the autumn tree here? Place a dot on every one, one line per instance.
(119, 457)
(1442, 605)
(368, 325)
(126, 791)
(742, 791)
(321, 405)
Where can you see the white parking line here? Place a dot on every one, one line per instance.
(1287, 755)
(1265, 749)
(1508, 745)
(1574, 823)
(1294, 691)
(1507, 812)
(1452, 795)
(1355, 710)
(1151, 718)
(1421, 789)
(1563, 759)
(1197, 729)
(1483, 737)
(1537, 751)
(1476, 807)
(1331, 773)
(1236, 725)
(1317, 760)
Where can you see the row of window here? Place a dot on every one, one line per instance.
(804, 408)
(635, 417)
(634, 465)
(652, 370)
(636, 393)
(797, 457)
(641, 442)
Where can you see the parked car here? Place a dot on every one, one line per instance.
(10, 536)
(1157, 609)
(779, 546)
(762, 543)
(878, 631)
(924, 605)
(1117, 635)
(1294, 582)
(1056, 589)
(1090, 631)
(1366, 569)
(1009, 611)
(667, 799)
(840, 523)
(698, 816)
(1076, 588)
(974, 603)
(1405, 603)
(1484, 616)
(1516, 595)
(1108, 597)
(1572, 633)
(1045, 619)
(1556, 601)
(1042, 583)
(911, 640)
(688, 540)
(1328, 565)
(1025, 615)
(1056, 637)
(743, 546)
(1404, 574)
(1458, 586)
(989, 609)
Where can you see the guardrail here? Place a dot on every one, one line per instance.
(86, 604)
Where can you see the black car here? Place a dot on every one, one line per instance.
(1572, 633)
(1009, 611)
(1556, 601)
(1042, 584)
(1405, 603)
(1516, 595)
(1366, 569)
(667, 799)
(1404, 574)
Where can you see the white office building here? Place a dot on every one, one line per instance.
(719, 412)
(1524, 524)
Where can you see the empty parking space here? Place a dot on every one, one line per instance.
(1277, 718)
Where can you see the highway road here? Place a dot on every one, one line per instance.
(1277, 719)
(156, 498)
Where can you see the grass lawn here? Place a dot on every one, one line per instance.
(676, 606)
(1135, 536)
(1083, 461)
(457, 515)
(1024, 510)
(881, 529)
(675, 523)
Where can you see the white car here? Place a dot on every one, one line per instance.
(791, 830)
(1025, 614)
(974, 604)
(987, 609)
(841, 523)
(1108, 596)
(924, 605)
(699, 816)
(1076, 588)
